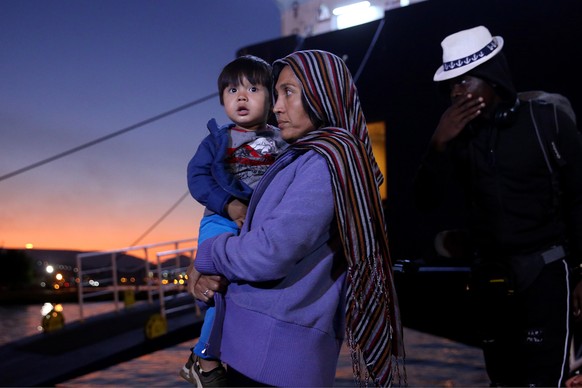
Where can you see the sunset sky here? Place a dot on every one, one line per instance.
(72, 72)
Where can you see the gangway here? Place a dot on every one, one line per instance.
(168, 316)
(168, 278)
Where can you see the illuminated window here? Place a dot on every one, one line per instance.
(377, 132)
(357, 13)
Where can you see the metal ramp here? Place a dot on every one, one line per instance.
(82, 347)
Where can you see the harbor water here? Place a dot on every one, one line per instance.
(430, 361)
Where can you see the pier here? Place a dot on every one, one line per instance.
(166, 319)
(98, 342)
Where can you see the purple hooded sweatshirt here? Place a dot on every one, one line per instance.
(284, 316)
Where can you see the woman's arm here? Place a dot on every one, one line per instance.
(292, 220)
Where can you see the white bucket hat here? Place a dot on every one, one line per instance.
(465, 50)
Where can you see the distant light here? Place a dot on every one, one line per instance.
(356, 18)
(29, 246)
(46, 308)
(50, 268)
(350, 8)
(59, 276)
(404, 3)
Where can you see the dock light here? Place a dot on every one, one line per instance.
(46, 308)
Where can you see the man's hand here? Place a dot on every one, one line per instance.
(455, 119)
(237, 211)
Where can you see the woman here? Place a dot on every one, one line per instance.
(311, 261)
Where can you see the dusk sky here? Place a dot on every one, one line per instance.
(73, 71)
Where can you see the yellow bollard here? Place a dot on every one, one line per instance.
(129, 297)
(156, 326)
(54, 320)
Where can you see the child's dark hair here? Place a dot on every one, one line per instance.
(256, 70)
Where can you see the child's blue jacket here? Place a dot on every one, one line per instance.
(208, 180)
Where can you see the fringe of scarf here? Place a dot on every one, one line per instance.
(372, 318)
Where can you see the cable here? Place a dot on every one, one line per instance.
(297, 47)
(369, 52)
(165, 114)
(167, 213)
(107, 137)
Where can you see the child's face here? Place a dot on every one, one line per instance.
(247, 105)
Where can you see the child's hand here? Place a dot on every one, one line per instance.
(237, 211)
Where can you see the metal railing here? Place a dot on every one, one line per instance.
(177, 253)
(104, 280)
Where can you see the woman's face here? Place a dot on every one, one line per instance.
(292, 119)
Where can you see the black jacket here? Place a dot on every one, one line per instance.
(512, 205)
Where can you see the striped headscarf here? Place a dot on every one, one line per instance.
(372, 317)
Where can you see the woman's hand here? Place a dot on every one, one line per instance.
(203, 287)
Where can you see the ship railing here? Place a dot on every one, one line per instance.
(165, 276)
(180, 278)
